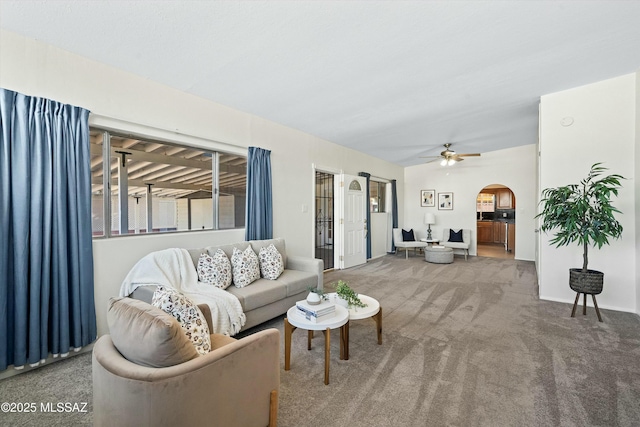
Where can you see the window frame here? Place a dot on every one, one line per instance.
(151, 135)
(382, 189)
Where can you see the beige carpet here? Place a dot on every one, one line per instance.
(467, 344)
(464, 344)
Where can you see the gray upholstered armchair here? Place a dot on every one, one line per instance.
(400, 243)
(163, 382)
(464, 244)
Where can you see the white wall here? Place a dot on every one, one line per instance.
(603, 130)
(637, 192)
(33, 68)
(513, 167)
(379, 233)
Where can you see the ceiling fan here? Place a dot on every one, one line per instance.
(449, 157)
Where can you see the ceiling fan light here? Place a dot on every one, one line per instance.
(451, 162)
(443, 162)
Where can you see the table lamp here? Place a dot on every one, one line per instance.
(429, 219)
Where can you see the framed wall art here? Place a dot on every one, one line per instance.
(445, 201)
(427, 198)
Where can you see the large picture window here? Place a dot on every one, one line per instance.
(158, 187)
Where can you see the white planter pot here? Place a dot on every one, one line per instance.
(342, 302)
(313, 298)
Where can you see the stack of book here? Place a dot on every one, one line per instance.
(315, 313)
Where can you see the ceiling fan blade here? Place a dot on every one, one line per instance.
(469, 155)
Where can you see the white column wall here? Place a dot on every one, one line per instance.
(513, 167)
(379, 232)
(637, 191)
(603, 130)
(34, 68)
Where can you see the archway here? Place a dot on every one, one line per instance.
(496, 222)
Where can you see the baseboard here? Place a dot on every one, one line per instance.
(589, 304)
(11, 371)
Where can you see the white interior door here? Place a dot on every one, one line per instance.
(353, 220)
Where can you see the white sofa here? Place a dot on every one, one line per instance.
(401, 244)
(263, 299)
(464, 245)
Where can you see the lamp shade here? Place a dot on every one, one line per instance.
(429, 218)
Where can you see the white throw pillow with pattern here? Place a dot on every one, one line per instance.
(188, 315)
(215, 269)
(271, 265)
(245, 267)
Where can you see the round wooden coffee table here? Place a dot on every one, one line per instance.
(372, 310)
(339, 320)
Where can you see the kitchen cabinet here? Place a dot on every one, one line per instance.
(504, 199)
(485, 231)
(485, 202)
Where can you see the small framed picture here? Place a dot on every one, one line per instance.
(428, 198)
(445, 201)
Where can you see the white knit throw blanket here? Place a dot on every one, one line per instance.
(174, 268)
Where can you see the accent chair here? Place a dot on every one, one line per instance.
(163, 380)
(446, 241)
(406, 245)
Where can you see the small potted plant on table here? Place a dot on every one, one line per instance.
(347, 296)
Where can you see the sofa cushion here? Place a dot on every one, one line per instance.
(260, 293)
(271, 265)
(277, 242)
(245, 267)
(187, 314)
(215, 269)
(455, 236)
(297, 281)
(146, 335)
(408, 236)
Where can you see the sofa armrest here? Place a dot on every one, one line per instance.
(312, 265)
(241, 374)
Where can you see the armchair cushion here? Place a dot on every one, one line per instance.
(408, 236)
(455, 236)
(146, 335)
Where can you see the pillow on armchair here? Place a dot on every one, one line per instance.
(146, 335)
(187, 314)
(408, 236)
(455, 236)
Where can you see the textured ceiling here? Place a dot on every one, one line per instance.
(395, 79)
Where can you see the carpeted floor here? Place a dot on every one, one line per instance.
(464, 344)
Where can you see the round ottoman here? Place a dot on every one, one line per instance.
(438, 255)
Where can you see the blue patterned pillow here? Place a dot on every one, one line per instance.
(215, 269)
(271, 265)
(245, 266)
(187, 313)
